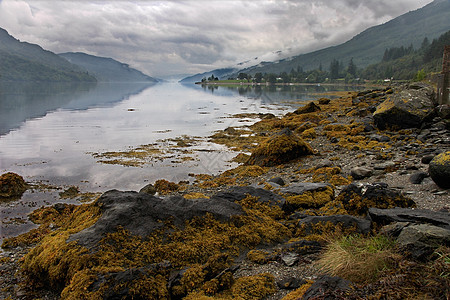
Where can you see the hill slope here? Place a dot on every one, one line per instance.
(21, 61)
(106, 69)
(368, 47)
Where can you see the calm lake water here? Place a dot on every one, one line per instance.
(49, 133)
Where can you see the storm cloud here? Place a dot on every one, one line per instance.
(174, 37)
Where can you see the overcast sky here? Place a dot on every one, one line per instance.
(163, 38)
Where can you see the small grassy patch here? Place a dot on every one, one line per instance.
(358, 258)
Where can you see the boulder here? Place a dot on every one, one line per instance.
(11, 186)
(328, 288)
(420, 240)
(386, 216)
(282, 147)
(308, 108)
(408, 108)
(142, 213)
(439, 169)
(357, 199)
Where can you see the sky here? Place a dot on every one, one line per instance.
(164, 38)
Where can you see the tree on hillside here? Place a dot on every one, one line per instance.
(258, 77)
(242, 76)
(351, 69)
(334, 69)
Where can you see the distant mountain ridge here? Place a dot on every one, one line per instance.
(106, 69)
(368, 47)
(22, 61)
(221, 73)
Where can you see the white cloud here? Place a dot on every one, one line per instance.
(167, 37)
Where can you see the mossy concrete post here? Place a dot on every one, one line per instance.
(444, 78)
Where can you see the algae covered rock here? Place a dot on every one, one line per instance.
(308, 108)
(12, 185)
(408, 108)
(141, 213)
(282, 147)
(357, 199)
(439, 169)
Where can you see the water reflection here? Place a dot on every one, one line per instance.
(23, 101)
(276, 94)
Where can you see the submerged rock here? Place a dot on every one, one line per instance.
(408, 108)
(282, 147)
(439, 169)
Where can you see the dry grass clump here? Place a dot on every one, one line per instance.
(357, 258)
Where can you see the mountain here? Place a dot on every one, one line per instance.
(221, 73)
(106, 69)
(368, 47)
(21, 61)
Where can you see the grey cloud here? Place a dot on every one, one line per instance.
(163, 37)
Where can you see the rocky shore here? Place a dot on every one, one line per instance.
(340, 199)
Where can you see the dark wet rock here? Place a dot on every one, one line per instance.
(327, 288)
(277, 180)
(409, 108)
(302, 247)
(439, 169)
(238, 193)
(420, 240)
(280, 148)
(394, 229)
(12, 185)
(387, 216)
(148, 189)
(426, 159)
(361, 225)
(357, 199)
(290, 283)
(360, 173)
(308, 108)
(141, 213)
(417, 177)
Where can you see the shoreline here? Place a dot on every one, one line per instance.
(341, 144)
